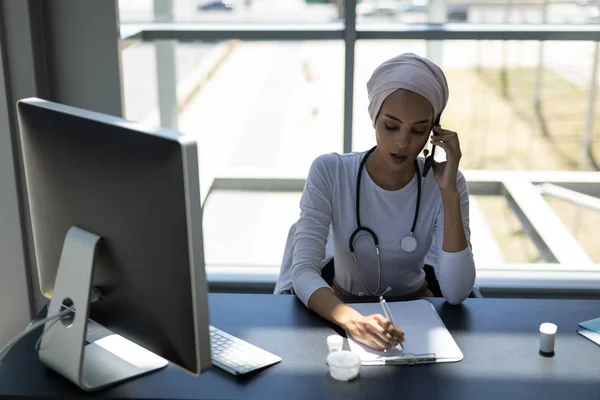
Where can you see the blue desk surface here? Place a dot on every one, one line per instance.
(499, 339)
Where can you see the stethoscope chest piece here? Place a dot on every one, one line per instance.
(408, 243)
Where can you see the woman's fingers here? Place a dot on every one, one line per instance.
(444, 145)
(444, 136)
(395, 333)
(376, 338)
(378, 328)
(443, 132)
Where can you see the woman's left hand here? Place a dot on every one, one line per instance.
(445, 173)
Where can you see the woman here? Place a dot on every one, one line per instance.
(382, 195)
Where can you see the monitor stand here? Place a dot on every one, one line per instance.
(96, 365)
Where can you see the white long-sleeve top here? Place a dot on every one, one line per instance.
(329, 199)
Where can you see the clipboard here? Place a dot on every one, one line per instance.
(427, 338)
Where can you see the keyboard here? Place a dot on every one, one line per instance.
(237, 356)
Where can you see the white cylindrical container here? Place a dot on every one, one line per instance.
(335, 343)
(343, 365)
(547, 338)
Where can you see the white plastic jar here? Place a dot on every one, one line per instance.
(343, 365)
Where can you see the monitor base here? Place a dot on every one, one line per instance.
(105, 362)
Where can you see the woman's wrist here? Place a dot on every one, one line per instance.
(345, 315)
(450, 195)
(325, 303)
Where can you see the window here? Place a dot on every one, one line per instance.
(263, 110)
(232, 11)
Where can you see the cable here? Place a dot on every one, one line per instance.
(33, 327)
(39, 341)
(95, 295)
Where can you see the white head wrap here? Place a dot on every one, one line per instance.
(410, 72)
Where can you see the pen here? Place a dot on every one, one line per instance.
(388, 315)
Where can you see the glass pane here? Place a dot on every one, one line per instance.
(136, 10)
(192, 63)
(233, 10)
(495, 220)
(256, 108)
(581, 222)
(248, 228)
(492, 107)
(492, 91)
(140, 92)
(478, 11)
(266, 109)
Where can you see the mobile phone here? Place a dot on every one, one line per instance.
(430, 157)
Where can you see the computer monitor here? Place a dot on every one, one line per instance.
(115, 207)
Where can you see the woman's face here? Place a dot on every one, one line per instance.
(402, 128)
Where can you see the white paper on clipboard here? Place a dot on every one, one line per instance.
(427, 338)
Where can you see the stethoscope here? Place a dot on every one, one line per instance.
(408, 242)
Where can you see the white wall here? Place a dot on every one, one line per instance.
(14, 297)
(61, 50)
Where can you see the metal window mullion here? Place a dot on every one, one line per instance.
(176, 31)
(573, 196)
(166, 69)
(334, 31)
(470, 31)
(588, 130)
(349, 55)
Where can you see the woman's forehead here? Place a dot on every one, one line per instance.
(408, 104)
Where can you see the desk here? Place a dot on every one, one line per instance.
(499, 339)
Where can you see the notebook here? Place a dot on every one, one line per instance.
(591, 325)
(591, 330)
(427, 338)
